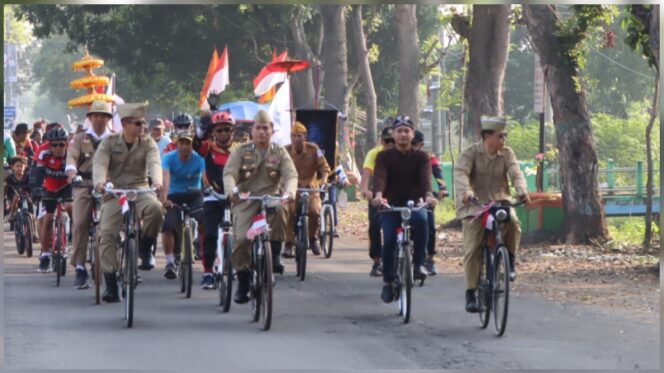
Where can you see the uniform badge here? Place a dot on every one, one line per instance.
(273, 174)
(247, 174)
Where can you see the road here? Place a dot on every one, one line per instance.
(333, 320)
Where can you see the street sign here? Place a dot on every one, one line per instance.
(10, 112)
(538, 87)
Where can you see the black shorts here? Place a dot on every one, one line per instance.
(50, 198)
(194, 201)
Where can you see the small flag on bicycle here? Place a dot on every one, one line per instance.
(123, 202)
(258, 225)
(487, 221)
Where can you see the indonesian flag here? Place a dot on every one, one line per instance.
(217, 78)
(258, 225)
(267, 80)
(487, 221)
(280, 111)
(122, 200)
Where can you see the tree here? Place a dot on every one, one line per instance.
(488, 38)
(408, 60)
(360, 42)
(557, 47)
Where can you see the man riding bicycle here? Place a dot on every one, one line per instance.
(481, 173)
(216, 152)
(312, 170)
(124, 159)
(259, 168)
(402, 174)
(183, 122)
(79, 163)
(51, 168)
(183, 176)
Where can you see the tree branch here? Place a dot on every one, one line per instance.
(461, 25)
(253, 38)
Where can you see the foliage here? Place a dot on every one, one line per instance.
(638, 35)
(21, 31)
(586, 23)
(628, 230)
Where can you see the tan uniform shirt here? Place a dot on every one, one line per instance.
(80, 152)
(260, 174)
(486, 175)
(310, 165)
(127, 168)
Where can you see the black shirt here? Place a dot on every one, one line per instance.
(402, 176)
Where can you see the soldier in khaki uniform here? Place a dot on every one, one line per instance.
(309, 163)
(125, 159)
(257, 167)
(482, 171)
(79, 163)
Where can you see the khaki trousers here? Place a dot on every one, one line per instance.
(81, 220)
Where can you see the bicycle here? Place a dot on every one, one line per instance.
(184, 258)
(326, 232)
(59, 240)
(131, 230)
(302, 231)
(223, 268)
(493, 285)
(23, 224)
(260, 280)
(403, 282)
(93, 242)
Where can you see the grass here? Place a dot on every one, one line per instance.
(629, 230)
(445, 211)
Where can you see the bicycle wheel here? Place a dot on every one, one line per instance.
(266, 288)
(187, 263)
(301, 248)
(58, 249)
(255, 279)
(28, 232)
(501, 290)
(484, 289)
(327, 231)
(129, 279)
(406, 285)
(95, 264)
(225, 285)
(19, 235)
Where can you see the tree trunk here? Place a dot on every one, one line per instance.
(462, 107)
(360, 42)
(334, 55)
(584, 213)
(649, 190)
(409, 64)
(303, 83)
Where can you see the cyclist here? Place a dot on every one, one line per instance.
(387, 142)
(482, 171)
(429, 265)
(182, 122)
(183, 171)
(79, 163)
(157, 132)
(51, 169)
(312, 170)
(216, 152)
(125, 159)
(258, 167)
(402, 174)
(17, 181)
(25, 146)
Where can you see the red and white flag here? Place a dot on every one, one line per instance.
(122, 200)
(266, 80)
(258, 225)
(217, 79)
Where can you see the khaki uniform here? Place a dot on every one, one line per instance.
(309, 164)
(126, 169)
(251, 171)
(79, 158)
(486, 175)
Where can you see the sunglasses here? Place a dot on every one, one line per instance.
(58, 145)
(138, 123)
(223, 130)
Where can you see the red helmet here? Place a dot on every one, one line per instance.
(223, 117)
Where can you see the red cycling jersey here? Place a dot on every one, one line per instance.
(56, 177)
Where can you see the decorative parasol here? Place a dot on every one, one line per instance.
(288, 67)
(90, 81)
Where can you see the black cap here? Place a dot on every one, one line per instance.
(419, 137)
(385, 133)
(21, 128)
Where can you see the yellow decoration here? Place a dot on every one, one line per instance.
(89, 99)
(89, 81)
(89, 63)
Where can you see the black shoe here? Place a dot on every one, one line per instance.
(314, 246)
(111, 293)
(44, 263)
(81, 281)
(471, 302)
(145, 250)
(277, 265)
(170, 272)
(430, 267)
(387, 294)
(419, 273)
(376, 270)
(241, 295)
(512, 266)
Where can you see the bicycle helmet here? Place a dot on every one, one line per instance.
(183, 120)
(223, 117)
(57, 134)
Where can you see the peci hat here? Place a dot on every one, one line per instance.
(262, 116)
(493, 123)
(101, 107)
(136, 110)
(299, 128)
(419, 137)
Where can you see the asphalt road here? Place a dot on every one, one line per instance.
(333, 320)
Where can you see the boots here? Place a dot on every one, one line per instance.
(512, 258)
(111, 293)
(145, 253)
(277, 266)
(471, 301)
(241, 296)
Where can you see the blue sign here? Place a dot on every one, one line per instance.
(10, 112)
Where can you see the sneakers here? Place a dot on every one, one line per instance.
(81, 281)
(376, 270)
(387, 294)
(419, 273)
(430, 267)
(336, 233)
(207, 281)
(44, 263)
(512, 259)
(170, 272)
(314, 246)
(471, 302)
(288, 251)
